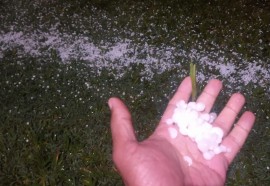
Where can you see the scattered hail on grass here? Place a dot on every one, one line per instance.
(193, 122)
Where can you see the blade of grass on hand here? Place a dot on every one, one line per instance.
(193, 80)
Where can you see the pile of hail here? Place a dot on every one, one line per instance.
(193, 122)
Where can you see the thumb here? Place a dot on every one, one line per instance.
(121, 124)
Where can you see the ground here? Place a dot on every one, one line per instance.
(60, 61)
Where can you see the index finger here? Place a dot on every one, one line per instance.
(183, 93)
(210, 93)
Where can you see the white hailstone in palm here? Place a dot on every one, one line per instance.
(218, 132)
(180, 117)
(192, 122)
(173, 132)
(192, 105)
(169, 121)
(203, 145)
(200, 121)
(205, 127)
(220, 149)
(213, 116)
(183, 129)
(208, 155)
(205, 117)
(200, 107)
(181, 104)
(188, 160)
(194, 130)
(194, 115)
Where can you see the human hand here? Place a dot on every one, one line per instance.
(159, 160)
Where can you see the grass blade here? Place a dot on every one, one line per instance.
(193, 80)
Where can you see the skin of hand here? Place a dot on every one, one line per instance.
(158, 160)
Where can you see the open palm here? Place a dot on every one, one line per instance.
(162, 160)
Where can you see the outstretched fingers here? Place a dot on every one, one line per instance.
(238, 135)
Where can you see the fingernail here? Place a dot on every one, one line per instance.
(110, 104)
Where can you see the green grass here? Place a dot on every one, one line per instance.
(54, 118)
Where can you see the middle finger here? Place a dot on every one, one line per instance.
(209, 94)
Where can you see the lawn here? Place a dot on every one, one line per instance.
(61, 60)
